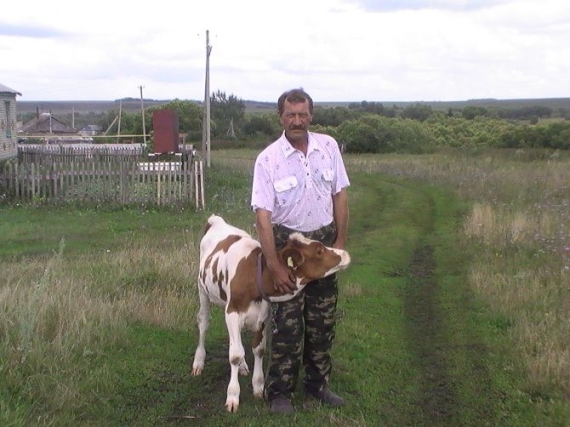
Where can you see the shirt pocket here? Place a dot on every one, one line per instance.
(287, 190)
(328, 175)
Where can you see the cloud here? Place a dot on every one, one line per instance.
(339, 50)
(13, 30)
(457, 5)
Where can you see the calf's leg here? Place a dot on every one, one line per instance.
(236, 357)
(203, 324)
(258, 347)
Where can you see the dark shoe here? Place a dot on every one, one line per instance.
(326, 396)
(282, 405)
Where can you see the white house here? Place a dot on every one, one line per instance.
(90, 130)
(8, 136)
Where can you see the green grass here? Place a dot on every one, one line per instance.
(37, 231)
(415, 345)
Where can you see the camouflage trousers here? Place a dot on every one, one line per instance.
(302, 329)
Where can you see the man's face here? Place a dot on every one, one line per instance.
(295, 119)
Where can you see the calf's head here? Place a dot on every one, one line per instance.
(310, 260)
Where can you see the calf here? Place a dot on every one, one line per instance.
(233, 274)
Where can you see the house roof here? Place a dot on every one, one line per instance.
(46, 123)
(6, 89)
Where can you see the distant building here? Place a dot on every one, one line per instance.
(50, 130)
(46, 123)
(91, 130)
(8, 136)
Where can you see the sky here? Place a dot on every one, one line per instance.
(337, 50)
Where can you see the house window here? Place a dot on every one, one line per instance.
(8, 127)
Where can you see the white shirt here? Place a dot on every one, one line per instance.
(298, 189)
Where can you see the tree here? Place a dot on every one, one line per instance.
(373, 107)
(417, 111)
(372, 133)
(332, 116)
(473, 111)
(264, 124)
(224, 110)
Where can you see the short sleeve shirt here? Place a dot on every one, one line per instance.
(298, 189)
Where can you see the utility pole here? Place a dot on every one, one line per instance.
(142, 112)
(206, 121)
(119, 126)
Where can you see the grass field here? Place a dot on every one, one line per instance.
(453, 312)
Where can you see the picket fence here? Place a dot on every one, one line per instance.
(100, 178)
(65, 153)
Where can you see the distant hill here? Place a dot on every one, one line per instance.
(554, 103)
(132, 104)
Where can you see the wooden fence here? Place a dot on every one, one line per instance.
(118, 179)
(66, 153)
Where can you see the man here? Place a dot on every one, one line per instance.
(299, 184)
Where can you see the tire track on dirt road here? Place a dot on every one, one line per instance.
(437, 396)
(455, 385)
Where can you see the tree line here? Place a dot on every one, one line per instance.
(365, 127)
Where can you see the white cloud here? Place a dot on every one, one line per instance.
(338, 50)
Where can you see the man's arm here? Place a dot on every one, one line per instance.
(340, 213)
(283, 279)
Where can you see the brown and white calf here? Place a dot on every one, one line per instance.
(231, 277)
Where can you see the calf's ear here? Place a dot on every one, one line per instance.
(292, 258)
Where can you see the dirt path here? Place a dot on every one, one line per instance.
(426, 339)
(455, 385)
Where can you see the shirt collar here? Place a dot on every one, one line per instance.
(288, 149)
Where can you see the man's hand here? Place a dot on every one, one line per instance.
(283, 279)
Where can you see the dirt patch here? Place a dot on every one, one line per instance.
(427, 339)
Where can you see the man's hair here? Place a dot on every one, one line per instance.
(294, 96)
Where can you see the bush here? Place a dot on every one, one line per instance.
(377, 134)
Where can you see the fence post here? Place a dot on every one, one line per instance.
(196, 181)
(158, 176)
(33, 178)
(202, 185)
(199, 184)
